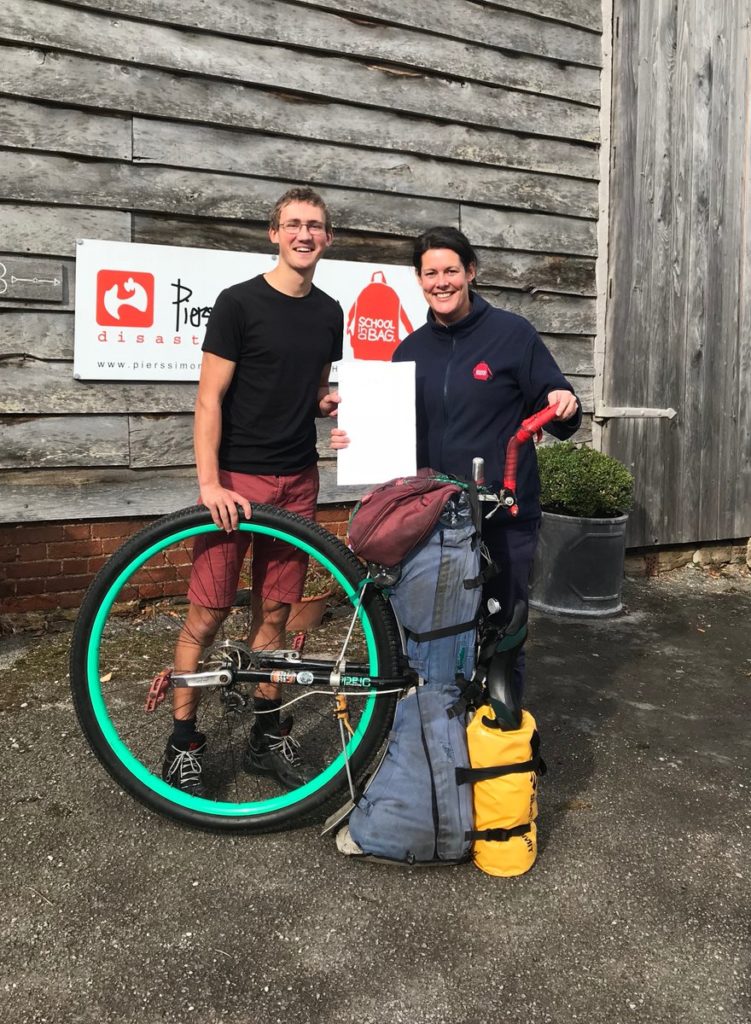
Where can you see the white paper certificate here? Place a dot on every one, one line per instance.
(377, 411)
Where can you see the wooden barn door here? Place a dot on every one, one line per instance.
(678, 320)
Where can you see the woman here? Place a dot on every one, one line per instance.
(479, 372)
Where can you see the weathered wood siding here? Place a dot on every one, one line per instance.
(678, 319)
(180, 123)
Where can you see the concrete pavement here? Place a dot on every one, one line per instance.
(638, 909)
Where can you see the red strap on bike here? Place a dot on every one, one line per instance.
(531, 426)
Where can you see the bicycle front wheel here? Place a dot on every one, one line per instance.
(125, 637)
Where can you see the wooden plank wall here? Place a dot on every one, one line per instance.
(180, 123)
(678, 318)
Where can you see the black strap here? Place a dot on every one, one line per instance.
(542, 768)
(489, 572)
(497, 835)
(535, 764)
(496, 771)
(471, 691)
(438, 634)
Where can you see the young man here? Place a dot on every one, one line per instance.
(268, 350)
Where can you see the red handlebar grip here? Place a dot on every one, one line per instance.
(539, 419)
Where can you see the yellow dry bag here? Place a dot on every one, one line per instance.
(505, 765)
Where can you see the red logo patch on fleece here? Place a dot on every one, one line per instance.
(482, 372)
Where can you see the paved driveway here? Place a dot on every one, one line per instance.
(638, 908)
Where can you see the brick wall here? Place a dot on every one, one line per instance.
(48, 566)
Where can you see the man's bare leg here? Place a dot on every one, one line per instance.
(201, 625)
(270, 752)
(268, 632)
(186, 746)
(199, 629)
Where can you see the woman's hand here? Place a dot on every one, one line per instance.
(339, 439)
(567, 403)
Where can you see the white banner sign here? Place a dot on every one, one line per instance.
(141, 310)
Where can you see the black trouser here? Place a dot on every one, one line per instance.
(512, 547)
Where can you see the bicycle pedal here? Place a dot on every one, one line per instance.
(158, 690)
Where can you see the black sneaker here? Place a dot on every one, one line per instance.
(182, 768)
(276, 754)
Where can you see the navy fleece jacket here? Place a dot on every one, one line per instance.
(476, 381)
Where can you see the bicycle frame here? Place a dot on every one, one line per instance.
(282, 667)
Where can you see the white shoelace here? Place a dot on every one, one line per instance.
(186, 766)
(288, 747)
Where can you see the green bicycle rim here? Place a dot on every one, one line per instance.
(158, 785)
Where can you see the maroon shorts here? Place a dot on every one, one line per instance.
(278, 569)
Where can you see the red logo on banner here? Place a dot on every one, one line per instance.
(124, 298)
(482, 372)
(373, 322)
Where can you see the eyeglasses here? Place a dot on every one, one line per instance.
(294, 227)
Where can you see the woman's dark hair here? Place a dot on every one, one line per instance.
(443, 238)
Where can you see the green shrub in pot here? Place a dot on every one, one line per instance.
(583, 482)
(586, 497)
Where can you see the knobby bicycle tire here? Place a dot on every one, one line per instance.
(129, 622)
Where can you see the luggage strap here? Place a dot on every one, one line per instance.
(438, 634)
(483, 774)
(497, 835)
(535, 764)
(489, 572)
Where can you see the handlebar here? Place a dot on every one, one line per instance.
(531, 426)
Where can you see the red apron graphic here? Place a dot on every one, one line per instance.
(373, 322)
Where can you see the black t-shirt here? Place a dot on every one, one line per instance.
(280, 345)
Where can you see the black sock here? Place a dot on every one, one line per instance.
(183, 731)
(267, 715)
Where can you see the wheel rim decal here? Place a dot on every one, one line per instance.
(158, 785)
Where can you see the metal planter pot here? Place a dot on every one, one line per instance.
(578, 567)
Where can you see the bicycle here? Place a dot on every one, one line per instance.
(348, 671)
